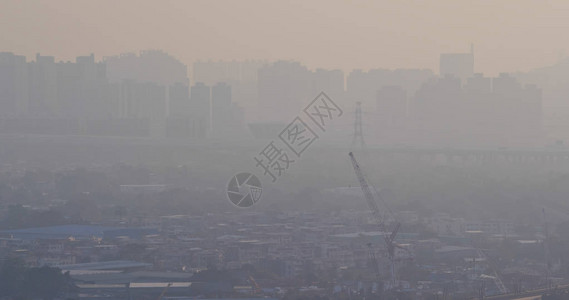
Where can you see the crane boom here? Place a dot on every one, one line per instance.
(367, 192)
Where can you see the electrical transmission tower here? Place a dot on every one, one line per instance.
(358, 132)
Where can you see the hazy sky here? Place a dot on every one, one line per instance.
(507, 35)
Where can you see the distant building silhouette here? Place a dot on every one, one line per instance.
(179, 104)
(200, 95)
(240, 75)
(391, 113)
(43, 86)
(149, 66)
(142, 100)
(460, 65)
(478, 85)
(154, 69)
(14, 93)
(283, 87)
(554, 81)
(329, 81)
(221, 109)
(286, 86)
(485, 112)
(363, 86)
(80, 88)
(212, 72)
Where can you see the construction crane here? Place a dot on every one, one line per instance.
(388, 235)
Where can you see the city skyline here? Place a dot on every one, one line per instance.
(151, 92)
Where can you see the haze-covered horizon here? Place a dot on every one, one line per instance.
(508, 36)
